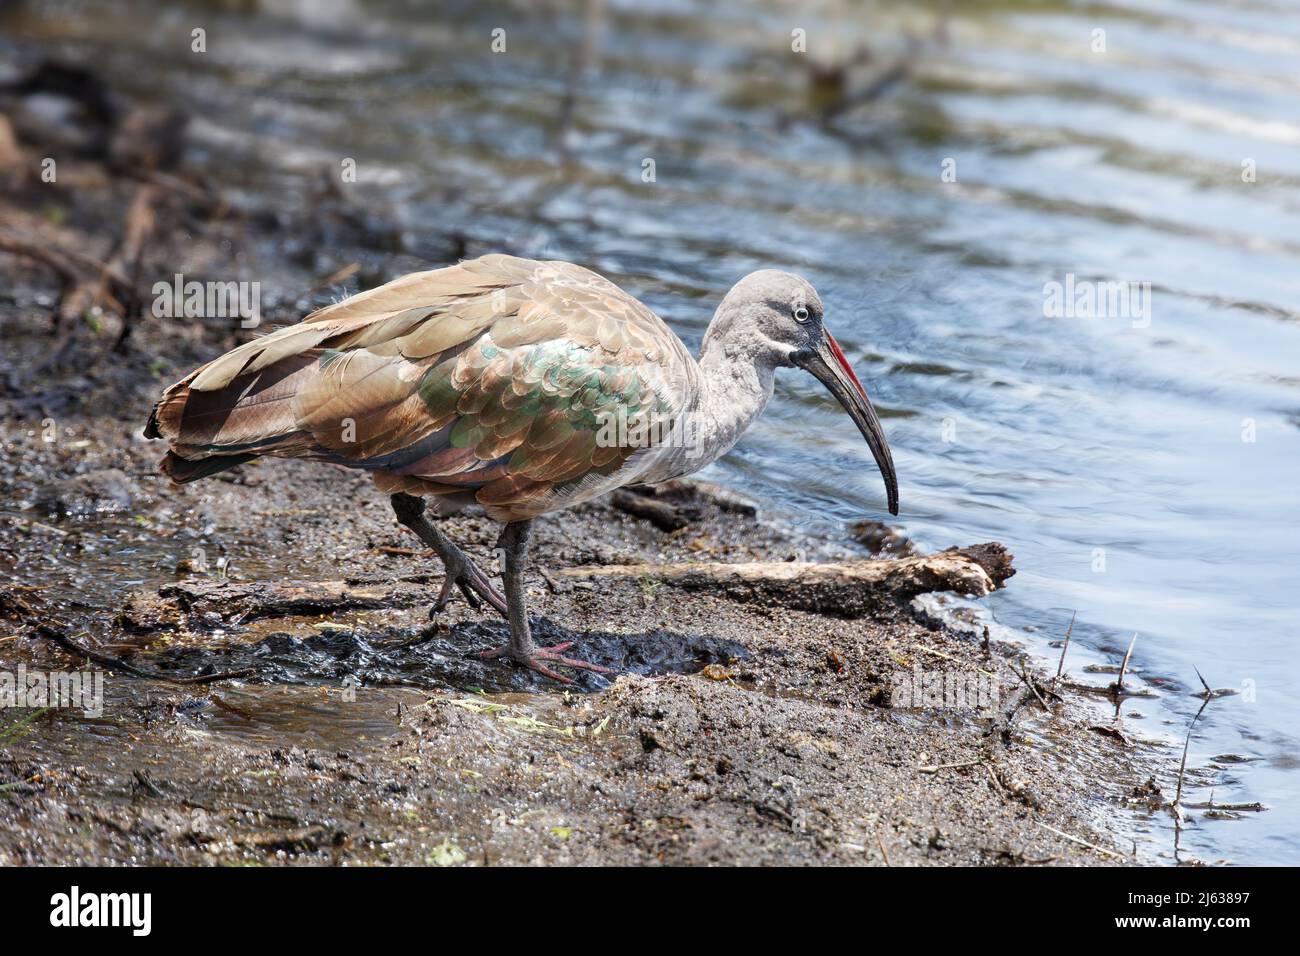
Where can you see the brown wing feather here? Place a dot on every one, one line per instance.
(484, 379)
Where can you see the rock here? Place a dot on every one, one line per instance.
(64, 107)
(145, 612)
(880, 538)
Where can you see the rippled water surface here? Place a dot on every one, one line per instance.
(1143, 472)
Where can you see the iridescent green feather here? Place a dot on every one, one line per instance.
(544, 403)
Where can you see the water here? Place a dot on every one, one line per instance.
(1142, 473)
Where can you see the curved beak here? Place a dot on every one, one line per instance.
(827, 362)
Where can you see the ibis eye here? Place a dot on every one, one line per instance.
(800, 314)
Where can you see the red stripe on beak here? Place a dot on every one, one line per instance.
(844, 363)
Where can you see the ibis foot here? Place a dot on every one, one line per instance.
(474, 584)
(461, 571)
(513, 545)
(538, 657)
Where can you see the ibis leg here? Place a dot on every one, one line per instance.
(513, 544)
(460, 570)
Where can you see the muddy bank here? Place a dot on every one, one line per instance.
(741, 728)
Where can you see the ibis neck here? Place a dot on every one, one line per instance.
(735, 386)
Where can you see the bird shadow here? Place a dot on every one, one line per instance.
(437, 658)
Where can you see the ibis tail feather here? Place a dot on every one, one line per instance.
(182, 470)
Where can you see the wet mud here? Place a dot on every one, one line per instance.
(735, 729)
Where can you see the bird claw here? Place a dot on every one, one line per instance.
(464, 574)
(534, 661)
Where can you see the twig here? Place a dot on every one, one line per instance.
(1094, 689)
(1066, 646)
(997, 784)
(1123, 668)
(592, 22)
(1176, 807)
(1003, 721)
(1028, 682)
(948, 766)
(146, 784)
(228, 808)
(948, 657)
(214, 201)
(664, 516)
(117, 664)
(881, 843)
(57, 259)
(87, 282)
(1075, 839)
(303, 839)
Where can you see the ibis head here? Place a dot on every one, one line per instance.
(779, 318)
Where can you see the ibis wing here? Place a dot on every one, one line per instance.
(504, 380)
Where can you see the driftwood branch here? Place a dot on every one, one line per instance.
(843, 590)
(663, 515)
(141, 220)
(87, 282)
(674, 505)
(56, 262)
(846, 590)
